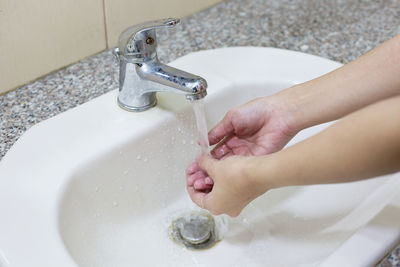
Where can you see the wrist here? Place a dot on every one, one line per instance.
(259, 174)
(294, 100)
(285, 105)
(266, 172)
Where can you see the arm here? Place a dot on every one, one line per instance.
(265, 125)
(362, 145)
(370, 78)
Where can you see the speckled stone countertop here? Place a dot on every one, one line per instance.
(340, 30)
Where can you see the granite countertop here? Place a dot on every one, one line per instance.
(339, 30)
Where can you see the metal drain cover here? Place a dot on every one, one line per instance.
(195, 230)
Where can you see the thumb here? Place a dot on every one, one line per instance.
(207, 164)
(222, 129)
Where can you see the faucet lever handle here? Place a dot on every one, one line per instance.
(150, 25)
(138, 43)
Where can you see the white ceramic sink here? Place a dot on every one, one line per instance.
(99, 186)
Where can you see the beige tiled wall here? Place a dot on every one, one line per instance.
(37, 37)
(121, 14)
(40, 36)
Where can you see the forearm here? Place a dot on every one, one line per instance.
(362, 145)
(368, 79)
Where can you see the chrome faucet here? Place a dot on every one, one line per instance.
(141, 74)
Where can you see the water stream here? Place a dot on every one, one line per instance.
(221, 221)
(199, 112)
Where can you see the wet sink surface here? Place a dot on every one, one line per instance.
(108, 183)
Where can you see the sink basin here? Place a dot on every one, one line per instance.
(99, 186)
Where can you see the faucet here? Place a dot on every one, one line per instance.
(141, 74)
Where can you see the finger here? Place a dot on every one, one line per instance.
(191, 179)
(207, 164)
(194, 167)
(208, 181)
(228, 155)
(220, 150)
(200, 184)
(222, 129)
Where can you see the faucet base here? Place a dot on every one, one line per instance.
(137, 109)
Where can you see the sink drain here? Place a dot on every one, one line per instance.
(195, 230)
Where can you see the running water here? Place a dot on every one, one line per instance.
(199, 112)
(221, 221)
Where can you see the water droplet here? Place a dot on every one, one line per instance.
(126, 172)
(96, 189)
(192, 142)
(139, 157)
(183, 142)
(145, 159)
(115, 203)
(245, 221)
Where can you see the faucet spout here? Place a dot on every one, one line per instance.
(192, 86)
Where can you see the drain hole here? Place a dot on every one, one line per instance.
(195, 230)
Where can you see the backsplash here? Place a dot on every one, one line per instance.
(38, 37)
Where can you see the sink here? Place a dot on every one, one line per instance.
(99, 186)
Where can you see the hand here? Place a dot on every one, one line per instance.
(259, 127)
(233, 187)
